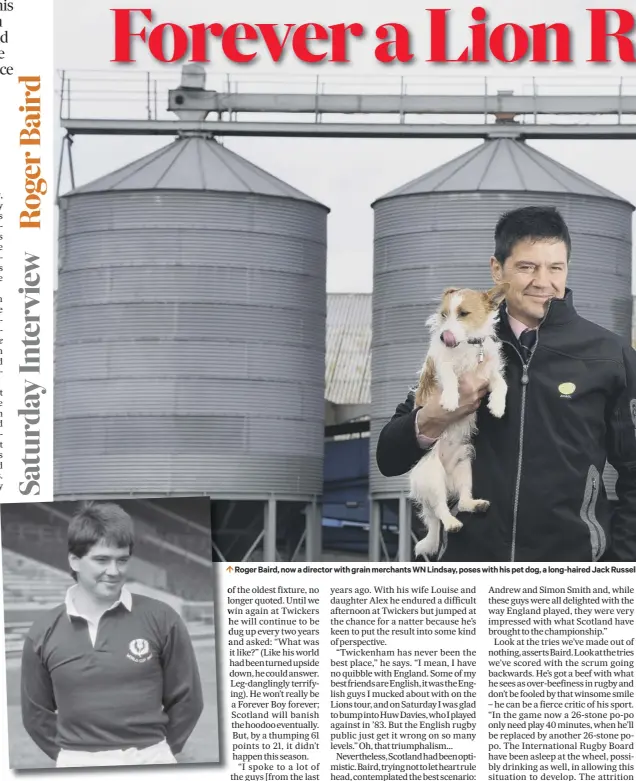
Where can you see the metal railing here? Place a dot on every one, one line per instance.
(102, 94)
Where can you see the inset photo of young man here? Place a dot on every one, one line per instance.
(109, 633)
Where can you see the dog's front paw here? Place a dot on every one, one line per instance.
(449, 400)
(497, 405)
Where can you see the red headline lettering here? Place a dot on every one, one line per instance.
(612, 33)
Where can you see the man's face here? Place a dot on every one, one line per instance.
(102, 571)
(536, 271)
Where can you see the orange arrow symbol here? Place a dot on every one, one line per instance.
(230, 568)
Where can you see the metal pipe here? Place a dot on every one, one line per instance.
(375, 531)
(404, 527)
(269, 542)
(156, 127)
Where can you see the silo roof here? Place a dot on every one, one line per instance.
(503, 165)
(195, 164)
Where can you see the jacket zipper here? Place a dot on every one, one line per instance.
(588, 510)
(525, 379)
(592, 497)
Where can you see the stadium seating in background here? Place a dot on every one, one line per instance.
(30, 590)
(39, 532)
(163, 521)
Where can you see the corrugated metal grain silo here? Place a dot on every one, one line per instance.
(437, 231)
(190, 331)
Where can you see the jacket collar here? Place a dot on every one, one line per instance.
(559, 312)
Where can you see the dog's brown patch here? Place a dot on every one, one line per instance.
(496, 295)
(427, 383)
(446, 300)
(472, 309)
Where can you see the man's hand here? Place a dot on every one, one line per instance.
(433, 419)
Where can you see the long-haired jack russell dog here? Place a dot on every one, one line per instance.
(462, 340)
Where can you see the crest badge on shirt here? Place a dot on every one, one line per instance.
(139, 651)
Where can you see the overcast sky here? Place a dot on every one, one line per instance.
(346, 175)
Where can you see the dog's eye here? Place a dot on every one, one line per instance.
(463, 313)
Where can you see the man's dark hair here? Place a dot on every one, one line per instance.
(100, 522)
(533, 223)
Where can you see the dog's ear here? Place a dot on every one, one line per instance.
(450, 290)
(497, 294)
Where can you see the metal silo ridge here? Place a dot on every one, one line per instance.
(459, 168)
(553, 174)
(226, 162)
(466, 161)
(181, 147)
(204, 185)
(516, 166)
(492, 147)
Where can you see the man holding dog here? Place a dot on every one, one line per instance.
(571, 406)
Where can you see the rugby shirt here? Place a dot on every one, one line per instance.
(136, 685)
(125, 597)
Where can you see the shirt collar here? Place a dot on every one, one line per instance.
(516, 326)
(125, 599)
